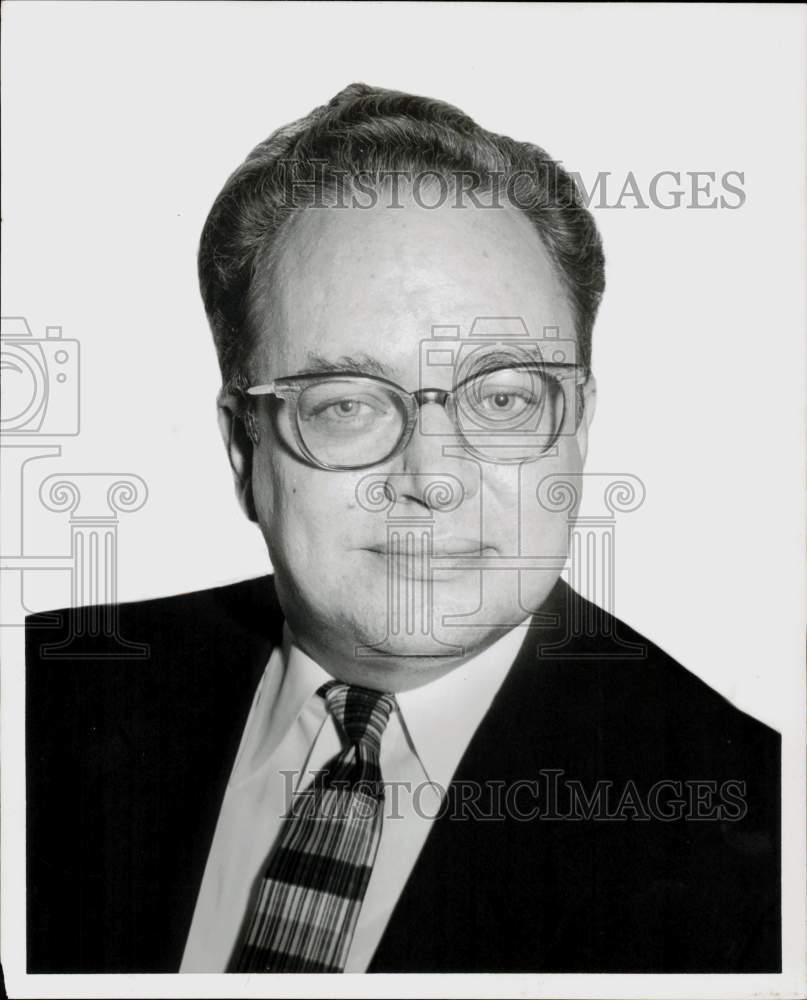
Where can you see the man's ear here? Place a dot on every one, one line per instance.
(589, 404)
(240, 449)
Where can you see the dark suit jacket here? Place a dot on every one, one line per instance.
(128, 759)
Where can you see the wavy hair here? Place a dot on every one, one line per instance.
(369, 135)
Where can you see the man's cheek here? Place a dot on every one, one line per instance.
(513, 517)
(548, 494)
(281, 488)
(314, 521)
(265, 476)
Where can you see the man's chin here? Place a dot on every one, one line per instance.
(428, 648)
(398, 663)
(432, 648)
(394, 644)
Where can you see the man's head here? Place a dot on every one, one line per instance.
(349, 242)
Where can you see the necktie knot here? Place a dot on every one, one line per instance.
(317, 875)
(361, 713)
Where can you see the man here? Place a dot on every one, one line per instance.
(413, 748)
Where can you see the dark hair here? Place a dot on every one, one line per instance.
(372, 133)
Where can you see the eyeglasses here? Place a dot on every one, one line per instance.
(512, 414)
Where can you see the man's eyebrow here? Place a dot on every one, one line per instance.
(484, 360)
(361, 364)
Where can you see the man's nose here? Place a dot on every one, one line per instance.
(434, 449)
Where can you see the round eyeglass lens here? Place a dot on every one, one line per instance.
(510, 414)
(349, 423)
(508, 399)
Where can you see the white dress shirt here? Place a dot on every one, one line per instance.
(289, 734)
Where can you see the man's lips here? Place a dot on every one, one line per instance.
(439, 548)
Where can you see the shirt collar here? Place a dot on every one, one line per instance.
(441, 717)
(302, 677)
(438, 719)
(289, 682)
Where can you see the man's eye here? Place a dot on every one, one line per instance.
(507, 402)
(346, 410)
(347, 407)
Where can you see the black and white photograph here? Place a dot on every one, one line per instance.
(403, 499)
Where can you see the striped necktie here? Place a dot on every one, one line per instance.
(316, 877)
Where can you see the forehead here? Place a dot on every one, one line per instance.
(374, 282)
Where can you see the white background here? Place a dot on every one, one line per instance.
(122, 122)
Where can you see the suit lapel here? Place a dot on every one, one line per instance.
(470, 901)
(229, 669)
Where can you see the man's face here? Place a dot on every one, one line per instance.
(367, 286)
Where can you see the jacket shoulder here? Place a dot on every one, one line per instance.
(166, 667)
(131, 630)
(134, 713)
(634, 666)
